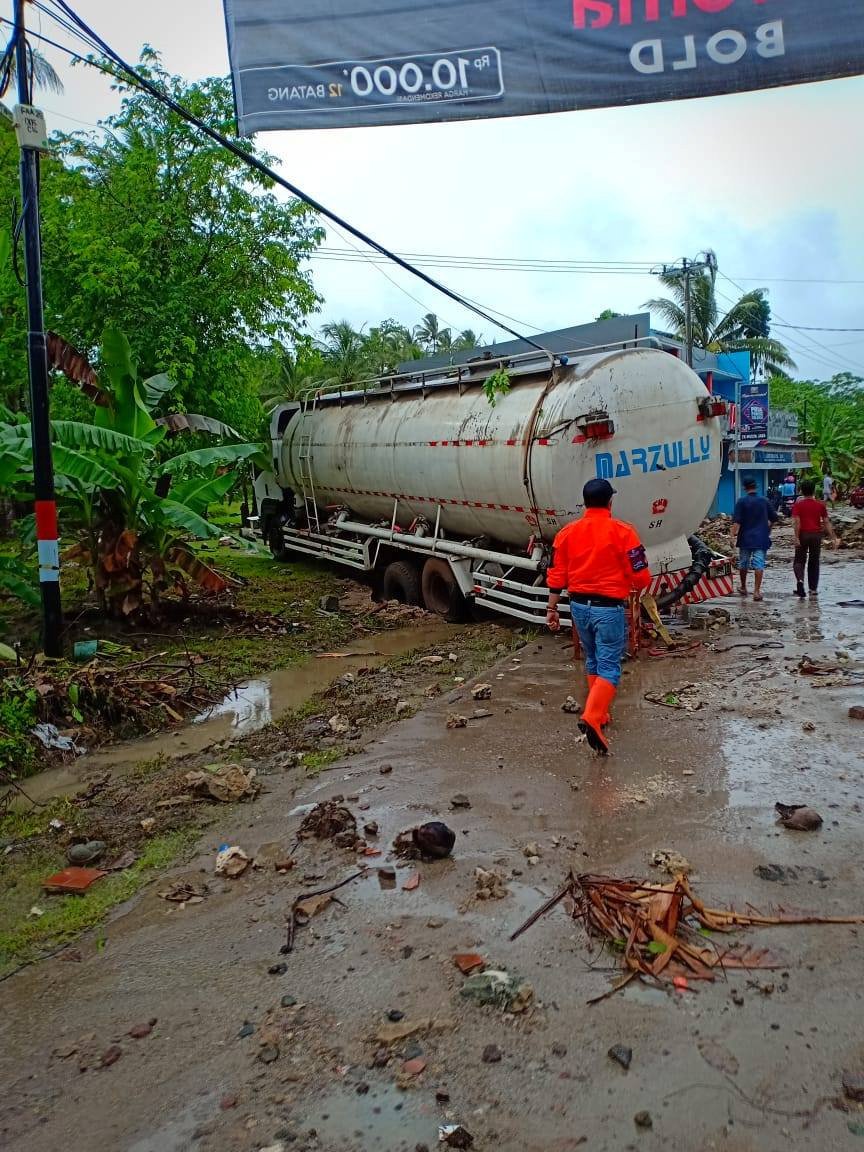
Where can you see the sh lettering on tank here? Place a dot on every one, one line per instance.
(653, 458)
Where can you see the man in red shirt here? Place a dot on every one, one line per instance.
(811, 524)
(600, 561)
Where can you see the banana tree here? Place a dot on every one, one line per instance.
(133, 512)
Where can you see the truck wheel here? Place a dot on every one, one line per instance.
(276, 541)
(401, 582)
(441, 593)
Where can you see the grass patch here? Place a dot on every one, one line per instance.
(24, 937)
(18, 703)
(315, 762)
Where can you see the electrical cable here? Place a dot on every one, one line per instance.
(78, 28)
(253, 162)
(835, 364)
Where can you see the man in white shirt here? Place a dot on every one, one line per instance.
(828, 488)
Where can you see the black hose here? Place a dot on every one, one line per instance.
(702, 557)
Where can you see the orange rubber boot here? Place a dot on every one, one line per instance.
(607, 719)
(597, 706)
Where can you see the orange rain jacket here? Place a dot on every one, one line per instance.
(598, 555)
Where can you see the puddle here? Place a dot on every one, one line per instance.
(384, 1119)
(250, 706)
(177, 1134)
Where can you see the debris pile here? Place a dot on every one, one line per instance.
(714, 531)
(330, 820)
(103, 693)
(489, 884)
(659, 928)
(686, 698)
(500, 989)
(227, 783)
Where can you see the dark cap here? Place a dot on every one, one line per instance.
(597, 492)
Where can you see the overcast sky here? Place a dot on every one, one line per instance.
(772, 181)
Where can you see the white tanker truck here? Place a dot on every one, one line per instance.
(445, 498)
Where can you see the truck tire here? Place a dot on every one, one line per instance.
(441, 593)
(401, 581)
(276, 541)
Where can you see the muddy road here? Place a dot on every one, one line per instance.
(242, 1058)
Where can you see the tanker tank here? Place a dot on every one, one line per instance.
(436, 451)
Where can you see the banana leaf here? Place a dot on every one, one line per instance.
(200, 491)
(206, 457)
(12, 582)
(203, 575)
(155, 387)
(87, 470)
(76, 367)
(192, 422)
(181, 516)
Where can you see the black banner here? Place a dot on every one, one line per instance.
(338, 63)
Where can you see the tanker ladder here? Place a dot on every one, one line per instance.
(304, 457)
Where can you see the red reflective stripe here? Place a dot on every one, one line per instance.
(543, 441)
(46, 520)
(511, 443)
(580, 439)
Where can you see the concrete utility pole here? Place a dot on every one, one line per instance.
(686, 269)
(30, 129)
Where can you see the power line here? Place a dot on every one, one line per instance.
(806, 328)
(253, 162)
(410, 262)
(844, 362)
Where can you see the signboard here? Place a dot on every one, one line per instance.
(343, 63)
(754, 411)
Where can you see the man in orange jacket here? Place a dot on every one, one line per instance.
(600, 561)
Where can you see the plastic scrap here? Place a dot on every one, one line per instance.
(231, 861)
(49, 737)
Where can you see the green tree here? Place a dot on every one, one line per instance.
(344, 350)
(830, 419)
(388, 345)
(746, 326)
(152, 229)
(467, 340)
(289, 374)
(428, 332)
(608, 314)
(13, 315)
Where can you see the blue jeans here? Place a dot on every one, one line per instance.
(603, 636)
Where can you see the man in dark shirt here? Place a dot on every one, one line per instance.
(751, 531)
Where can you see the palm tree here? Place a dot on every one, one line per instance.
(444, 344)
(466, 341)
(44, 75)
(343, 348)
(428, 332)
(745, 327)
